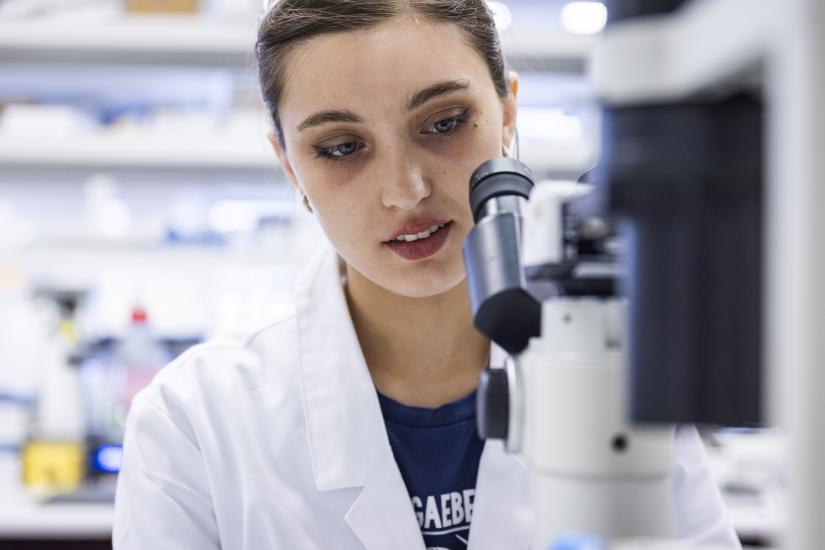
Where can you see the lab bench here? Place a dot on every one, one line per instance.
(29, 524)
(32, 526)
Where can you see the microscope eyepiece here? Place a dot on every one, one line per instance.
(503, 309)
(503, 176)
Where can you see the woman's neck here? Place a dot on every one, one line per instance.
(422, 352)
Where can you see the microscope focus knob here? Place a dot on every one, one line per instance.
(493, 404)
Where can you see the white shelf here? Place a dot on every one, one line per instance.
(193, 41)
(95, 153)
(153, 40)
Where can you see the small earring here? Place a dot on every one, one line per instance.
(505, 151)
(307, 206)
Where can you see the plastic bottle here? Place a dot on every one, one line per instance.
(141, 356)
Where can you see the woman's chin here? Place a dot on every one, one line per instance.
(424, 287)
(423, 279)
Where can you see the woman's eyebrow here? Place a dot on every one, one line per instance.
(418, 99)
(324, 117)
(436, 90)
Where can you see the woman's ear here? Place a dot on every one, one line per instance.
(510, 111)
(283, 159)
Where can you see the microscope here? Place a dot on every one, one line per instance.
(544, 287)
(681, 286)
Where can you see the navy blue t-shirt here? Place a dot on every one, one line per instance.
(438, 452)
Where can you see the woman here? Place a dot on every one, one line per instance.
(350, 423)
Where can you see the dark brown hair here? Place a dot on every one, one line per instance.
(291, 22)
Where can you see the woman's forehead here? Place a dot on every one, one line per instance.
(378, 68)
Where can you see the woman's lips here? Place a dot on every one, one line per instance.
(416, 227)
(421, 248)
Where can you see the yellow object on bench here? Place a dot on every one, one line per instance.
(53, 466)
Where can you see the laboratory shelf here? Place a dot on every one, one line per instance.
(141, 40)
(199, 41)
(210, 158)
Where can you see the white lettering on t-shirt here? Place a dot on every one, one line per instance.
(419, 515)
(469, 498)
(446, 510)
(446, 519)
(432, 517)
(457, 505)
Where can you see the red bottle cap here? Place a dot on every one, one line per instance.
(138, 315)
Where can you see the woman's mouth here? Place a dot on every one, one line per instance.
(421, 244)
(423, 235)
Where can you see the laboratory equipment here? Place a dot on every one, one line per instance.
(712, 143)
(583, 470)
(139, 356)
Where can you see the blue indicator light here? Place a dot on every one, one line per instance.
(108, 458)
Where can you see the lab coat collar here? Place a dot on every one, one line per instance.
(347, 438)
(380, 522)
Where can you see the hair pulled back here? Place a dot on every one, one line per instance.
(291, 22)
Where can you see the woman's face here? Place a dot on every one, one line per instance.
(382, 130)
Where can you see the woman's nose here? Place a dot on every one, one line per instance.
(405, 185)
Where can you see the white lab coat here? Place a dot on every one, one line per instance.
(280, 444)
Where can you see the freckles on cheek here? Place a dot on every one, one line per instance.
(346, 223)
(483, 146)
(483, 138)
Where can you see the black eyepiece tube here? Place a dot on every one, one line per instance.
(503, 309)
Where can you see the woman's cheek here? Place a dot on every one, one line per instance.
(341, 217)
(478, 143)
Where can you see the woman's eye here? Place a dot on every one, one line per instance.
(338, 151)
(446, 125)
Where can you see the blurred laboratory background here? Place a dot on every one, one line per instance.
(142, 211)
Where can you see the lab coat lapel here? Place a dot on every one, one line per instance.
(382, 520)
(502, 518)
(347, 436)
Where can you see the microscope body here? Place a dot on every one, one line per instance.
(591, 471)
(560, 401)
